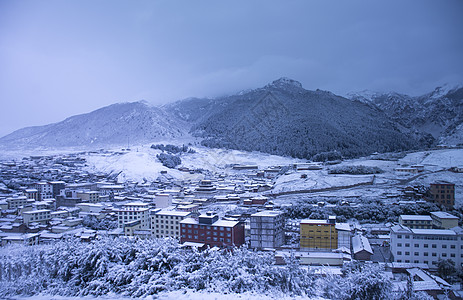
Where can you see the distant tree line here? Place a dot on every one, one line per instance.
(370, 212)
(355, 170)
(172, 148)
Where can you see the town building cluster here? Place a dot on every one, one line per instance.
(50, 198)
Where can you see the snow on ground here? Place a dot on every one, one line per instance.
(180, 294)
(140, 164)
(316, 180)
(134, 166)
(218, 159)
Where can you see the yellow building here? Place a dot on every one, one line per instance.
(319, 234)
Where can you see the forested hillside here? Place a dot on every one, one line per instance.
(284, 119)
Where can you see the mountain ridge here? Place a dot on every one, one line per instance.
(267, 119)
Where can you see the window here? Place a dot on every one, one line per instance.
(425, 253)
(399, 236)
(416, 254)
(417, 245)
(444, 254)
(434, 254)
(425, 245)
(407, 253)
(407, 244)
(444, 246)
(452, 254)
(399, 244)
(452, 246)
(434, 245)
(399, 252)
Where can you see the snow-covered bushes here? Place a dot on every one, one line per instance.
(355, 170)
(172, 148)
(137, 268)
(327, 156)
(168, 160)
(367, 212)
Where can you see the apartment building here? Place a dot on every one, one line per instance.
(444, 220)
(88, 196)
(44, 190)
(134, 211)
(211, 231)
(324, 235)
(16, 202)
(443, 193)
(57, 186)
(416, 221)
(426, 245)
(36, 216)
(267, 229)
(166, 223)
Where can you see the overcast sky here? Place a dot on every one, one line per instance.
(61, 58)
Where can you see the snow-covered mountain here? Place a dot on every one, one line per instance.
(117, 124)
(439, 113)
(285, 119)
(280, 118)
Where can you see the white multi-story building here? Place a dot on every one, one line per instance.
(267, 229)
(166, 223)
(426, 245)
(416, 221)
(16, 202)
(133, 212)
(44, 189)
(36, 216)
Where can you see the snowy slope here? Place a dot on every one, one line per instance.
(117, 124)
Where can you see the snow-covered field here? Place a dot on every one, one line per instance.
(141, 163)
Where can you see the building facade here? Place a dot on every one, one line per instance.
(426, 245)
(443, 193)
(166, 223)
(36, 216)
(416, 221)
(267, 229)
(133, 212)
(444, 220)
(211, 231)
(319, 235)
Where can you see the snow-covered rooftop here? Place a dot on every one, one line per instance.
(267, 213)
(360, 243)
(434, 231)
(173, 213)
(443, 215)
(416, 217)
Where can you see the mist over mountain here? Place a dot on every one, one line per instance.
(280, 118)
(285, 119)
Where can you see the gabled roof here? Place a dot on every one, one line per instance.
(361, 243)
